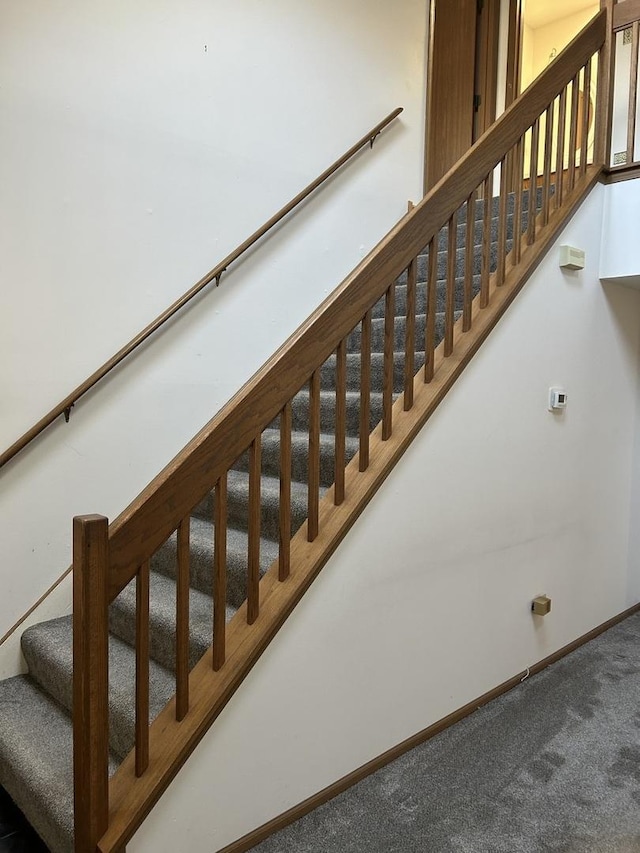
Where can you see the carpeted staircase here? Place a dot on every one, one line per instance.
(35, 721)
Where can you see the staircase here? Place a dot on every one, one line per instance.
(35, 709)
(249, 500)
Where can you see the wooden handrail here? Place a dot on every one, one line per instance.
(624, 14)
(155, 514)
(65, 406)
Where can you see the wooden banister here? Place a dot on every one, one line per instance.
(446, 215)
(64, 406)
(155, 514)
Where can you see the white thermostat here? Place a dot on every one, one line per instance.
(557, 399)
(571, 258)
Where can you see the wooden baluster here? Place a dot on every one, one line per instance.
(548, 147)
(469, 249)
(314, 456)
(142, 669)
(573, 132)
(586, 105)
(604, 97)
(182, 621)
(255, 506)
(410, 334)
(450, 299)
(220, 573)
(502, 222)
(517, 201)
(562, 130)
(90, 679)
(633, 94)
(341, 421)
(485, 271)
(533, 182)
(387, 378)
(365, 391)
(284, 553)
(430, 330)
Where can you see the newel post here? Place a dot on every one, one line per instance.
(90, 680)
(604, 108)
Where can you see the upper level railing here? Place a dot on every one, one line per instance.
(64, 406)
(623, 150)
(443, 229)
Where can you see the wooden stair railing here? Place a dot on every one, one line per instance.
(64, 406)
(625, 20)
(539, 123)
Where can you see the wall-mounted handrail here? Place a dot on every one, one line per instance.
(65, 406)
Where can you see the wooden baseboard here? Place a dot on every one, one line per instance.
(252, 838)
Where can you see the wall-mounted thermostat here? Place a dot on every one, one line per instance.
(571, 258)
(557, 399)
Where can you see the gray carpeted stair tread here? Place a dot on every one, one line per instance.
(300, 411)
(399, 332)
(162, 619)
(421, 297)
(202, 555)
(36, 755)
(48, 650)
(328, 373)
(300, 451)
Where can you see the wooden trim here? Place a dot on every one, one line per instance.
(487, 40)
(149, 520)
(172, 743)
(625, 14)
(65, 406)
(514, 52)
(621, 173)
(247, 842)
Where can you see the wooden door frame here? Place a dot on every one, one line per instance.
(486, 83)
(514, 51)
(485, 73)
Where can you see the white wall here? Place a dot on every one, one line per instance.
(427, 603)
(620, 257)
(140, 143)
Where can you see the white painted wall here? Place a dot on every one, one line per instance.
(620, 256)
(140, 143)
(427, 603)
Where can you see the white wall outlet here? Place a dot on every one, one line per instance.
(571, 258)
(557, 399)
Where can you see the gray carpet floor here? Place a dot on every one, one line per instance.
(551, 767)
